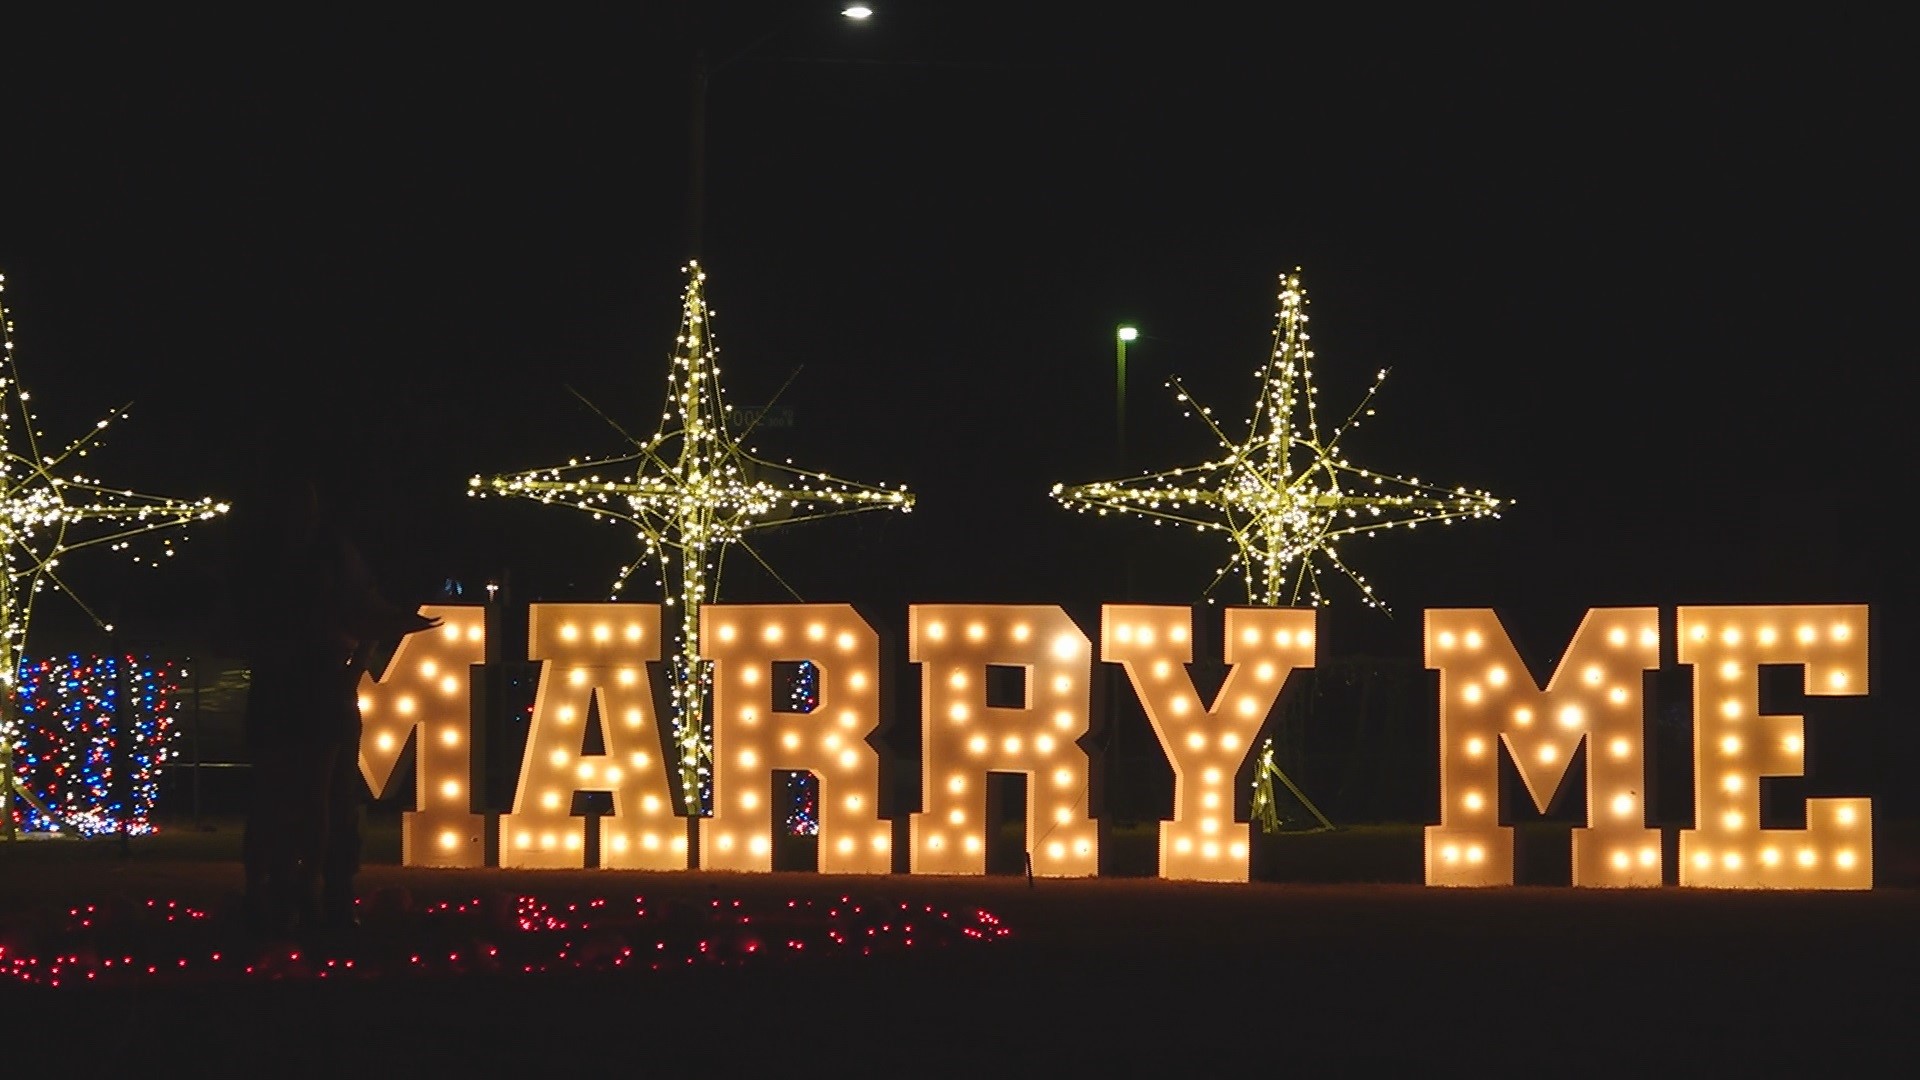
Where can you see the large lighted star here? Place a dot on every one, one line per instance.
(47, 512)
(1284, 496)
(692, 491)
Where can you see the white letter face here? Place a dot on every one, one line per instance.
(1734, 746)
(426, 693)
(1487, 696)
(593, 656)
(1206, 746)
(752, 739)
(964, 738)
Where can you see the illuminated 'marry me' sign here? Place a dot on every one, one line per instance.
(594, 657)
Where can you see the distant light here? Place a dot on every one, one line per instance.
(1129, 333)
(858, 11)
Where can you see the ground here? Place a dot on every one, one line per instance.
(1128, 974)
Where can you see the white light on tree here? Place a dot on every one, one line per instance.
(1284, 495)
(692, 491)
(47, 511)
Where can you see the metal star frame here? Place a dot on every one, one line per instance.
(44, 515)
(1284, 495)
(693, 492)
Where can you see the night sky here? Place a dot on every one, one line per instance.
(1650, 280)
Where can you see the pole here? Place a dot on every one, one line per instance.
(193, 740)
(697, 153)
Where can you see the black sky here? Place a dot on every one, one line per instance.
(1650, 280)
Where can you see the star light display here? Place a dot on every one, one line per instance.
(692, 491)
(46, 511)
(1284, 495)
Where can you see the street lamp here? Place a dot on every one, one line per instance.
(1121, 337)
(703, 73)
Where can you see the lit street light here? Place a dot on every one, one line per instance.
(1121, 337)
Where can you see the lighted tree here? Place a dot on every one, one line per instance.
(46, 512)
(1283, 495)
(692, 491)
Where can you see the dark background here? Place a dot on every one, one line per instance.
(1648, 278)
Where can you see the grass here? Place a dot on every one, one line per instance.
(1350, 965)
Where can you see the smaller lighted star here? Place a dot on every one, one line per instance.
(47, 512)
(692, 491)
(1283, 495)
